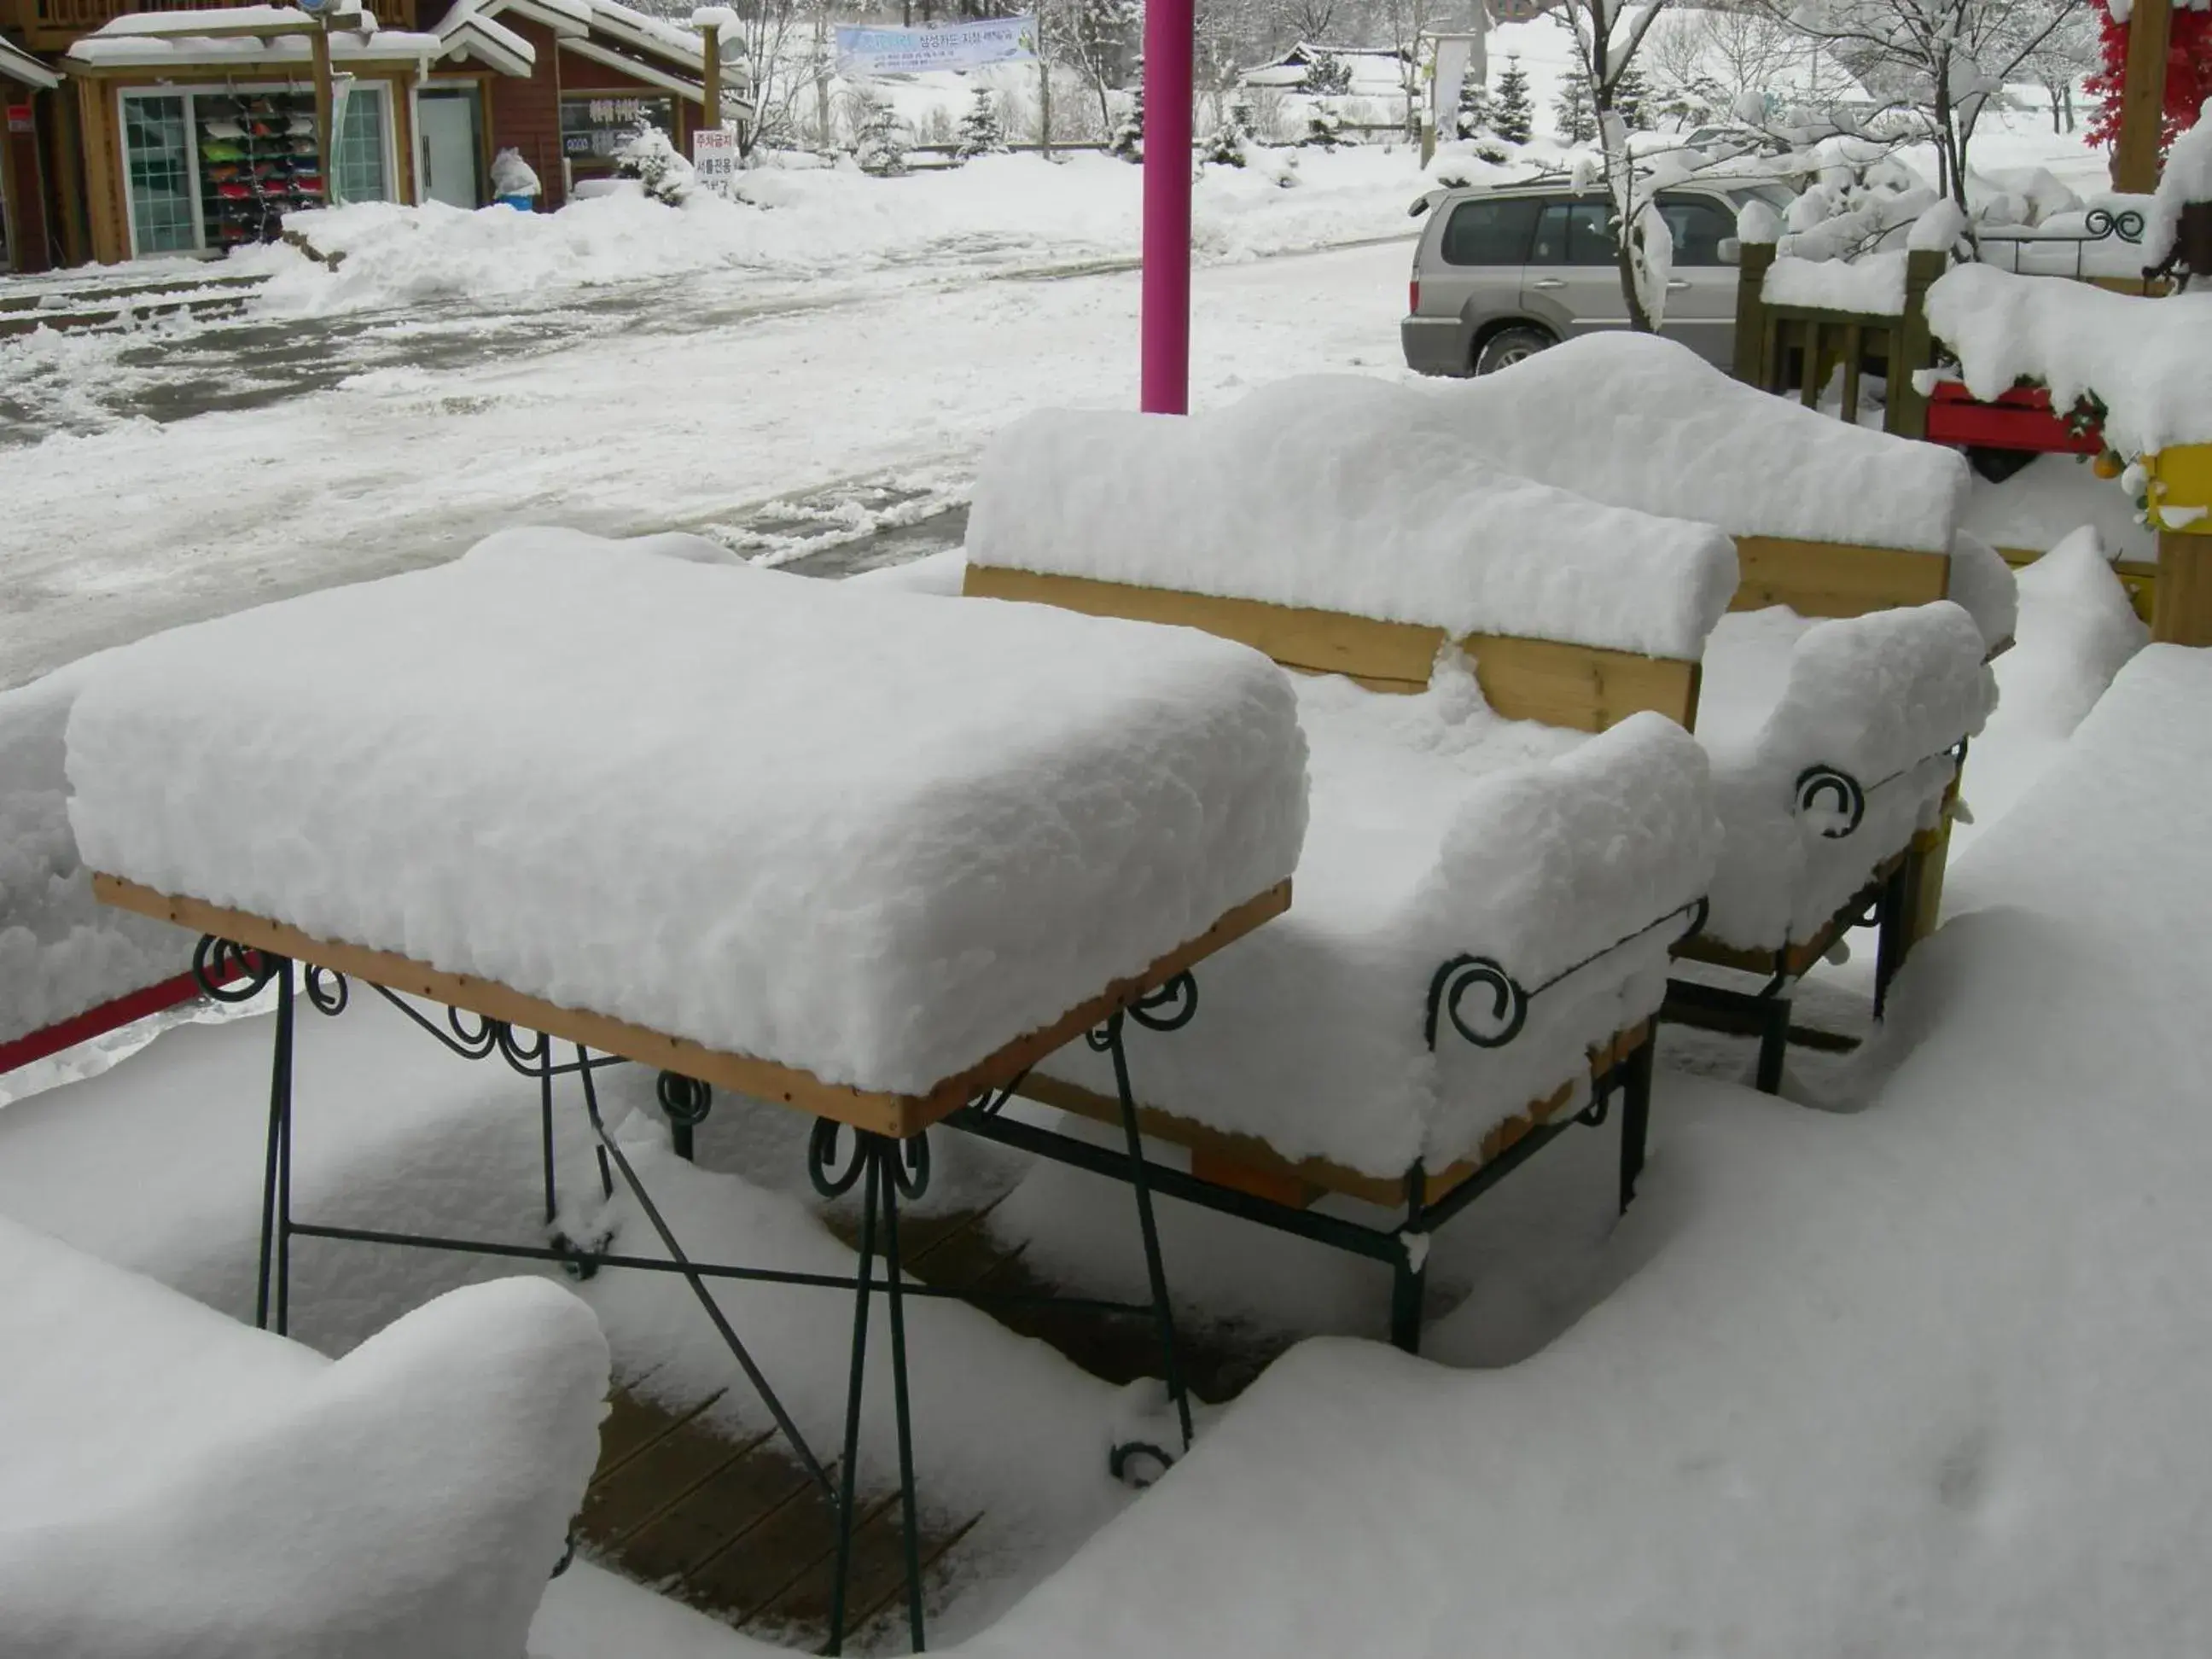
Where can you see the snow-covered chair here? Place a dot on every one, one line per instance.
(179, 1484)
(1501, 851)
(1829, 521)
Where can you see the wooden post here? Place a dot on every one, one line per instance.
(1913, 347)
(2181, 609)
(2142, 99)
(710, 75)
(326, 140)
(1752, 261)
(1044, 92)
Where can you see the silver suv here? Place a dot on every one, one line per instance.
(1500, 274)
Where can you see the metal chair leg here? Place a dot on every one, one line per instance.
(1409, 1272)
(1636, 1114)
(1894, 936)
(1773, 1043)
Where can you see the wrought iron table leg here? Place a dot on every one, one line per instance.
(887, 1153)
(277, 1172)
(1155, 1268)
(849, 1474)
(608, 1148)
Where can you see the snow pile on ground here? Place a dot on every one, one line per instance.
(1339, 493)
(178, 1484)
(1875, 284)
(1439, 830)
(663, 768)
(61, 952)
(2076, 631)
(1681, 438)
(2148, 360)
(1918, 1379)
(1881, 698)
(1008, 210)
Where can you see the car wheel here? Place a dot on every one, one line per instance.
(1508, 347)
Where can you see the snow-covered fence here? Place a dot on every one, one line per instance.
(1799, 321)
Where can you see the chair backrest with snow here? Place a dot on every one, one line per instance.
(1332, 523)
(1829, 519)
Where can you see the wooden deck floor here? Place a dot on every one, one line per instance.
(736, 1529)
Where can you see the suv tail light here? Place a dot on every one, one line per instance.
(1413, 297)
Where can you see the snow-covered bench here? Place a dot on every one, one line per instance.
(1500, 854)
(177, 1483)
(864, 854)
(1341, 525)
(1829, 520)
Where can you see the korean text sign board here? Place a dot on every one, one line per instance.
(862, 51)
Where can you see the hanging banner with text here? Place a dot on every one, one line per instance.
(862, 51)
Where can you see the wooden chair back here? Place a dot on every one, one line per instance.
(1582, 687)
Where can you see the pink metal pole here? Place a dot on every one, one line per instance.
(1168, 35)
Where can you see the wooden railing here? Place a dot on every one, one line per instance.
(1786, 349)
(55, 25)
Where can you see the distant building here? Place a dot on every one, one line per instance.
(134, 130)
(1377, 72)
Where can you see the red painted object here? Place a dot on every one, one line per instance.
(2022, 418)
(98, 1022)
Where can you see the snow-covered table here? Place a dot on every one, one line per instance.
(860, 853)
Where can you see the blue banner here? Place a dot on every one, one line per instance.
(864, 51)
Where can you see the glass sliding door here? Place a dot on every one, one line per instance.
(358, 161)
(158, 155)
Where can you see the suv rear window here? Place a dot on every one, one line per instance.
(1574, 233)
(1697, 226)
(1490, 233)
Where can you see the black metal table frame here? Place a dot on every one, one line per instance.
(885, 1169)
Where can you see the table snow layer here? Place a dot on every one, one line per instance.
(1882, 698)
(1926, 1377)
(178, 1484)
(1342, 492)
(857, 832)
(1439, 830)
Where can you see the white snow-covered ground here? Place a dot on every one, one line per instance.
(131, 525)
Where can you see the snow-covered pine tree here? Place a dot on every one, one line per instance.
(1472, 118)
(881, 148)
(982, 133)
(1128, 139)
(1631, 96)
(648, 157)
(1573, 113)
(1224, 146)
(1512, 113)
(1328, 75)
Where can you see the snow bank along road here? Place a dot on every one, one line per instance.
(111, 534)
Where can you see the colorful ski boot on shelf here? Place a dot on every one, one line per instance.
(222, 127)
(234, 192)
(220, 150)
